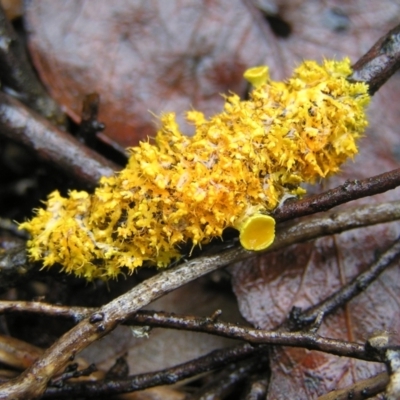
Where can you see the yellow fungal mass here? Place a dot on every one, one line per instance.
(234, 170)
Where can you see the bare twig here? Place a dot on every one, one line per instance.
(72, 372)
(308, 340)
(335, 222)
(349, 191)
(77, 314)
(22, 125)
(380, 62)
(213, 360)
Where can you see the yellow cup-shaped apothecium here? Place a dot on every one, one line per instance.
(257, 76)
(257, 232)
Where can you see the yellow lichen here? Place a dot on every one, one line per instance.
(234, 170)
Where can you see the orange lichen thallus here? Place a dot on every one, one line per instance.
(236, 169)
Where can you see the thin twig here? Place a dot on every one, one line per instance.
(335, 222)
(72, 372)
(306, 340)
(213, 360)
(349, 191)
(77, 314)
(361, 390)
(349, 291)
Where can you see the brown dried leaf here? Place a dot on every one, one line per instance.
(143, 55)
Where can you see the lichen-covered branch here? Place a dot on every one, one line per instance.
(235, 169)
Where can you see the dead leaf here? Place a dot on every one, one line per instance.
(143, 55)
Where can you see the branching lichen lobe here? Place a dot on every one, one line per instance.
(236, 169)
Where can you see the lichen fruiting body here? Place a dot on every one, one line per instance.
(238, 165)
